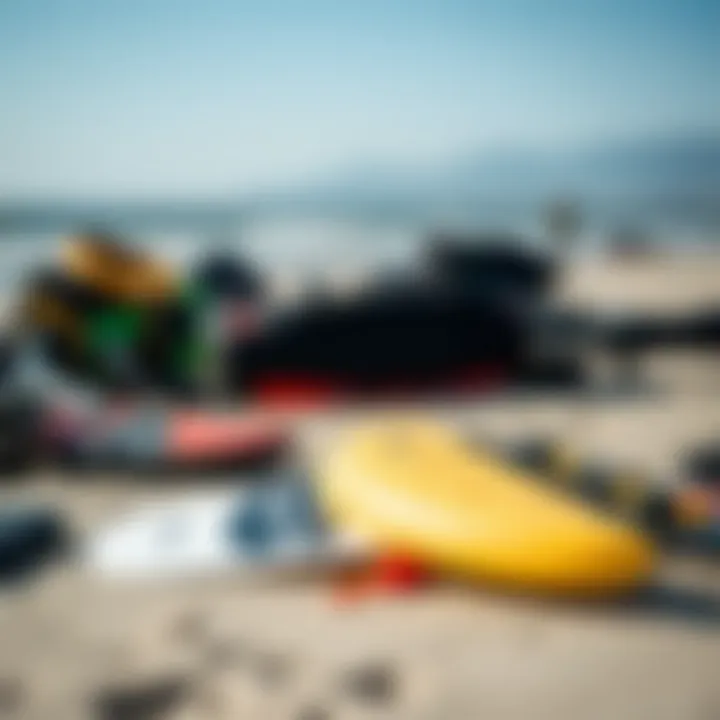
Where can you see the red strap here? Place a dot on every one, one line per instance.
(389, 574)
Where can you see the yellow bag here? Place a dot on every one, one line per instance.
(117, 271)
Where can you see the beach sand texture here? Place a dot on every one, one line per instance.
(285, 649)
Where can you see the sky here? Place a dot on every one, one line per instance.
(168, 98)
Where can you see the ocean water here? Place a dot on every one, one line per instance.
(304, 245)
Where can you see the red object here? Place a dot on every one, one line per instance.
(293, 390)
(297, 392)
(194, 437)
(389, 574)
(400, 573)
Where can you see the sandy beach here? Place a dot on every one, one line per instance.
(284, 649)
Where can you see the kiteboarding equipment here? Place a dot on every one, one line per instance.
(415, 488)
(685, 515)
(267, 527)
(476, 318)
(158, 439)
(501, 262)
(111, 267)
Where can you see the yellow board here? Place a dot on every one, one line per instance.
(413, 486)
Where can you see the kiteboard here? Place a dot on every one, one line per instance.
(415, 487)
(261, 528)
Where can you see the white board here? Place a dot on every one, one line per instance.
(266, 527)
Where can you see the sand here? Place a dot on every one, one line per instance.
(282, 649)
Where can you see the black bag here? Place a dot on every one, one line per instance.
(490, 262)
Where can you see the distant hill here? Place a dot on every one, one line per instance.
(643, 167)
(675, 180)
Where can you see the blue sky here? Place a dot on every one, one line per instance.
(204, 97)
